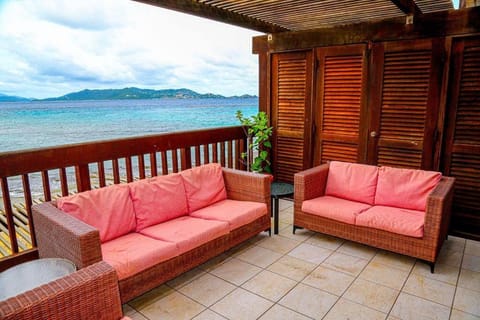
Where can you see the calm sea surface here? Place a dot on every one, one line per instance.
(25, 125)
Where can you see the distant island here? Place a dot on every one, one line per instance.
(125, 93)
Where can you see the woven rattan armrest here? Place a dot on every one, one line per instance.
(247, 186)
(90, 293)
(310, 184)
(438, 210)
(61, 235)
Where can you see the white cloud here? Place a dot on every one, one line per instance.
(52, 47)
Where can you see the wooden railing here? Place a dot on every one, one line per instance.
(44, 174)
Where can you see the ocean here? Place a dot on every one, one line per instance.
(36, 124)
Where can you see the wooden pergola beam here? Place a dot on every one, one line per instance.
(199, 9)
(407, 6)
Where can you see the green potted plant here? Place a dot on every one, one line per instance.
(259, 133)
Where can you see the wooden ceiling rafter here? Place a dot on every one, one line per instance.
(407, 6)
(199, 9)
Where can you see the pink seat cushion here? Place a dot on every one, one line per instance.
(187, 232)
(396, 220)
(108, 209)
(335, 208)
(236, 213)
(352, 181)
(158, 199)
(133, 253)
(405, 188)
(204, 185)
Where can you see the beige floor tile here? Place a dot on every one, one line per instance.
(239, 249)
(185, 278)
(393, 318)
(258, 238)
(310, 253)
(450, 257)
(469, 280)
(384, 275)
(467, 301)
(329, 280)
(345, 263)
(345, 310)
(471, 263)
(300, 234)
(285, 204)
(207, 289)
(395, 260)
(292, 268)
(284, 225)
(214, 262)
(235, 271)
(325, 241)
(473, 248)
(173, 306)
(358, 250)
(459, 315)
(408, 307)
(269, 285)
(309, 301)
(286, 215)
(150, 297)
(372, 295)
(443, 272)
(455, 243)
(241, 304)
(429, 289)
(278, 312)
(136, 316)
(278, 244)
(259, 256)
(209, 315)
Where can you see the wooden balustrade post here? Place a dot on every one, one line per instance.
(82, 174)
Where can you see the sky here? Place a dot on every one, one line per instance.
(49, 48)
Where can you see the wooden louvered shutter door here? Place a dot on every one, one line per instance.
(407, 79)
(462, 141)
(291, 82)
(340, 101)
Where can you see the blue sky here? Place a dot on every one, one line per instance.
(53, 47)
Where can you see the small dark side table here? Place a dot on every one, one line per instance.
(278, 190)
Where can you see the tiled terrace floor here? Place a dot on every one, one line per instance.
(312, 276)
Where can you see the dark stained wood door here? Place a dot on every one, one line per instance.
(291, 113)
(462, 138)
(340, 103)
(405, 87)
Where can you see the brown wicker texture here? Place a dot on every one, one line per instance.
(60, 235)
(90, 293)
(311, 184)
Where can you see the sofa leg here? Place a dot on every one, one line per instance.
(432, 267)
(269, 230)
(294, 228)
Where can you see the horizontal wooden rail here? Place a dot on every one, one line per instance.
(30, 176)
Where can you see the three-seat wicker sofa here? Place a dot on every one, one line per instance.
(154, 229)
(401, 210)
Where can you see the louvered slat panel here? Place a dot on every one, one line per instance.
(338, 152)
(291, 73)
(403, 112)
(340, 74)
(467, 127)
(466, 169)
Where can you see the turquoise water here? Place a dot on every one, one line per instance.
(25, 125)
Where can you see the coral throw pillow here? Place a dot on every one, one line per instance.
(109, 209)
(158, 199)
(204, 185)
(405, 188)
(352, 181)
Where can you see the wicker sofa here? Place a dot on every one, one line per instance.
(154, 229)
(401, 210)
(90, 293)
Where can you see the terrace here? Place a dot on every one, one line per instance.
(338, 82)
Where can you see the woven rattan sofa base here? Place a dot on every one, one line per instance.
(60, 235)
(90, 293)
(310, 184)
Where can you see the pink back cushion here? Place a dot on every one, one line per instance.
(204, 185)
(352, 181)
(108, 209)
(405, 188)
(158, 199)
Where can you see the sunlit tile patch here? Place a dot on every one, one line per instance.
(242, 305)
